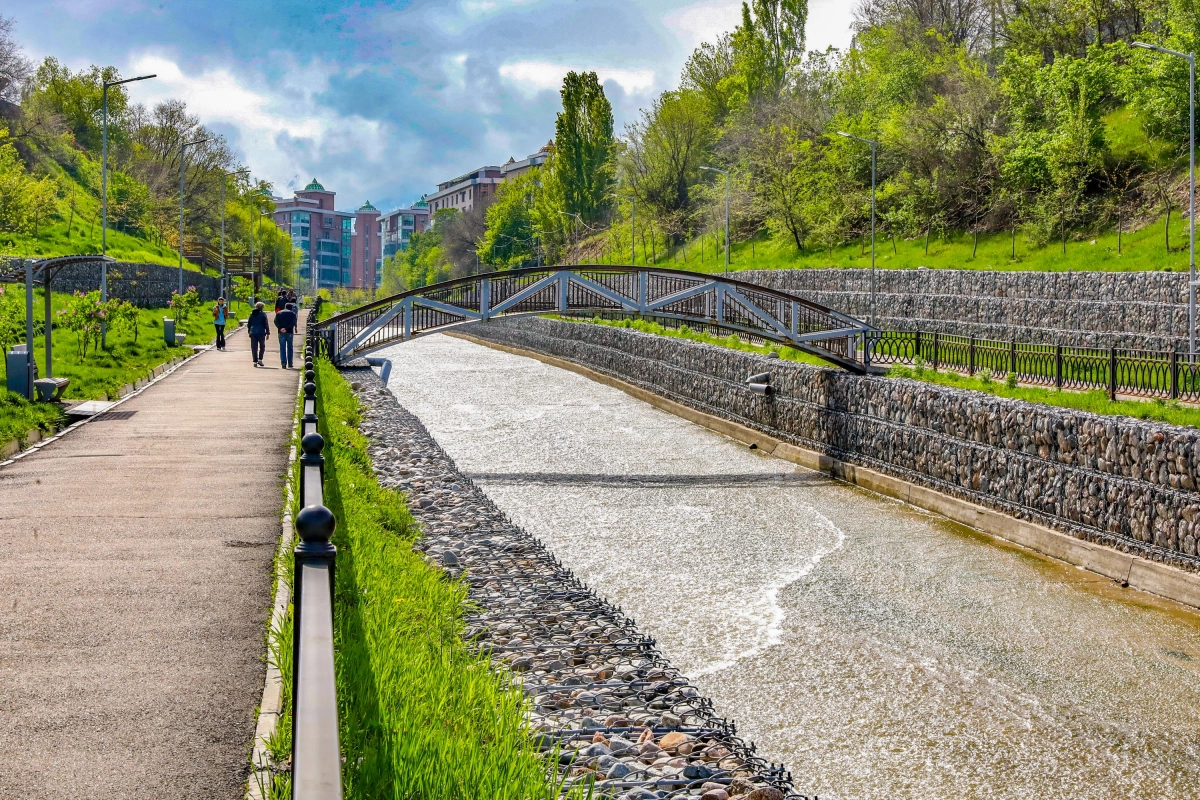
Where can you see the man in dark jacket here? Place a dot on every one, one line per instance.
(285, 321)
(281, 301)
(259, 328)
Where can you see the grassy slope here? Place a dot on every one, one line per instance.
(421, 715)
(18, 416)
(80, 234)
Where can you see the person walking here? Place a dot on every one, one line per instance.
(259, 328)
(285, 323)
(220, 314)
(281, 301)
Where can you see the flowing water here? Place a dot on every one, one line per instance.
(879, 651)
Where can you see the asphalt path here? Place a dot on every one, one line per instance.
(135, 579)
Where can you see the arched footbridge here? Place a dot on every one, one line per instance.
(710, 300)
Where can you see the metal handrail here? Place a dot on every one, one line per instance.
(316, 752)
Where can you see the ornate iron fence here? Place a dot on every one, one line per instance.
(1164, 374)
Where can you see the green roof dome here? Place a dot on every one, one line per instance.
(314, 186)
(368, 207)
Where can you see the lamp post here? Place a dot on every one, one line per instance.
(183, 146)
(1191, 59)
(726, 174)
(223, 177)
(104, 195)
(874, 146)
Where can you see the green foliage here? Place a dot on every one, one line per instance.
(422, 264)
(123, 317)
(511, 236)
(184, 304)
(12, 317)
(583, 147)
(18, 416)
(422, 715)
(25, 201)
(84, 317)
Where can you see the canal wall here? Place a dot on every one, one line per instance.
(144, 285)
(1103, 492)
(1145, 310)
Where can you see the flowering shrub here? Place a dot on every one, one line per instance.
(84, 316)
(123, 316)
(184, 304)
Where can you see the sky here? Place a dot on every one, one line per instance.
(381, 101)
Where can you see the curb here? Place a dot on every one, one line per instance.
(1126, 570)
(271, 707)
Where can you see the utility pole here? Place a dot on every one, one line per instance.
(182, 163)
(1191, 59)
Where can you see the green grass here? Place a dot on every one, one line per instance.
(18, 416)
(125, 361)
(421, 715)
(1095, 401)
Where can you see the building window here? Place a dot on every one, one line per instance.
(328, 222)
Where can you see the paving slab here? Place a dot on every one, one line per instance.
(135, 587)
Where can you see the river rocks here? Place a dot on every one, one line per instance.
(626, 721)
(1116, 481)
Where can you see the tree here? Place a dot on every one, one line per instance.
(583, 142)
(510, 239)
(15, 69)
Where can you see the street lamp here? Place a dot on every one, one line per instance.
(1191, 59)
(726, 174)
(874, 145)
(183, 146)
(225, 175)
(104, 195)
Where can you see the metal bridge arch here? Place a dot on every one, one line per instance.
(730, 305)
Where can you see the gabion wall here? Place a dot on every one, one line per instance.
(1117, 481)
(145, 285)
(1146, 310)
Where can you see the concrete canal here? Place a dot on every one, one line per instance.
(878, 651)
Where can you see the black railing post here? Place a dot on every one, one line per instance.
(936, 343)
(1174, 372)
(311, 446)
(1112, 373)
(1058, 367)
(309, 421)
(917, 348)
(1012, 358)
(971, 357)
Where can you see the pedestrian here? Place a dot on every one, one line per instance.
(281, 301)
(285, 322)
(259, 328)
(220, 317)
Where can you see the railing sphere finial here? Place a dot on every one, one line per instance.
(312, 444)
(309, 375)
(310, 389)
(315, 524)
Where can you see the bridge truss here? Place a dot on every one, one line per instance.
(712, 300)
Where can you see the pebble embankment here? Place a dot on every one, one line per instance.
(621, 715)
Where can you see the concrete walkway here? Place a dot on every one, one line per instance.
(135, 578)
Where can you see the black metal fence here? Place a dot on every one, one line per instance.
(1165, 374)
(316, 756)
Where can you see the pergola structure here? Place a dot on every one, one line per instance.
(43, 272)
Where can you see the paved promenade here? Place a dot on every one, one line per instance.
(135, 582)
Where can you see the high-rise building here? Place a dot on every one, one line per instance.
(339, 248)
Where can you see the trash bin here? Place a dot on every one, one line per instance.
(169, 331)
(15, 377)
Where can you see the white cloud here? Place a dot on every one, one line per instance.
(266, 117)
(539, 76)
(828, 22)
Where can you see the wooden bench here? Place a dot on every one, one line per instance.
(50, 389)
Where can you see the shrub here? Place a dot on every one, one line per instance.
(986, 376)
(184, 304)
(1010, 380)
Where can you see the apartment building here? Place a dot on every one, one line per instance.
(513, 168)
(477, 188)
(339, 248)
(398, 226)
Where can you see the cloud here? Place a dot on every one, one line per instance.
(704, 21)
(539, 76)
(280, 129)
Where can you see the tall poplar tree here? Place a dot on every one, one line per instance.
(583, 140)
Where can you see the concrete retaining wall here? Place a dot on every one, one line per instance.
(1119, 482)
(145, 285)
(1098, 309)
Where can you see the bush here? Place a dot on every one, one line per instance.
(986, 376)
(1010, 380)
(184, 304)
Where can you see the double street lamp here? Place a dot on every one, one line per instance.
(874, 147)
(726, 174)
(1191, 59)
(183, 146)
(104, 192)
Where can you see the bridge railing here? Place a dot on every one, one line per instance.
(316, 755)
(1165, 374)
(731, 305)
